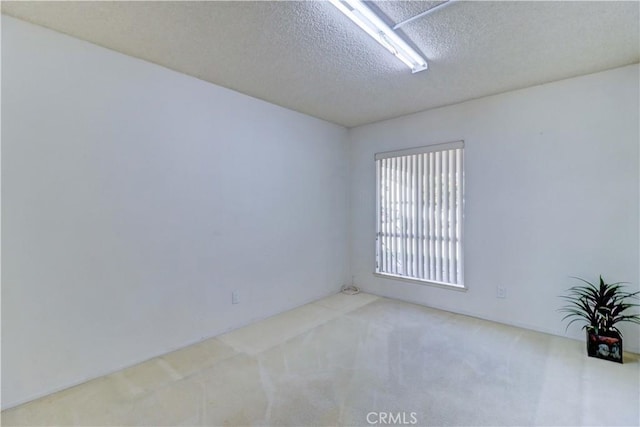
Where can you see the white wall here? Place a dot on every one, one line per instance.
(135, 199)
(551, 192)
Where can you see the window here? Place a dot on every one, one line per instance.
(420, 199)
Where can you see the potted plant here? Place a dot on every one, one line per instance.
(601, 308)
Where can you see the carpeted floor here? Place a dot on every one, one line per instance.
(358, 360)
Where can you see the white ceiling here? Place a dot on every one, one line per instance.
(307, 56)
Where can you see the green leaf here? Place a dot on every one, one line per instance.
(601, 306)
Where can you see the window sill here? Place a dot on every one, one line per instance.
(459, 288)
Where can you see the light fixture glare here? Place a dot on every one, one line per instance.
(371, 23)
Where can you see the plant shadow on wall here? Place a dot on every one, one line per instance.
(601, 308)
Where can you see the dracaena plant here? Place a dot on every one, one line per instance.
(600, 307)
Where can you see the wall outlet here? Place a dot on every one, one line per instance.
(501, 292)
(235, 297)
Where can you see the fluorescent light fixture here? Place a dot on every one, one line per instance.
(359, 13)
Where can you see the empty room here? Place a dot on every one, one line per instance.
(320, 213)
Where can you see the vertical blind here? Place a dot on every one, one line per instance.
(420, 199)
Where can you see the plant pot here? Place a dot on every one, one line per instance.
(605, 347)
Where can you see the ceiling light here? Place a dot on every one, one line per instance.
(359, 13)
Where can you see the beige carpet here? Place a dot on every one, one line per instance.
(345, 360)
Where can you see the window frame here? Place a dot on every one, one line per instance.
(460, 144)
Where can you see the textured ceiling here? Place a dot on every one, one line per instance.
(308, 57)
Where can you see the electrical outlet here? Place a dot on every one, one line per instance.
(501, 292)
(235, 297)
